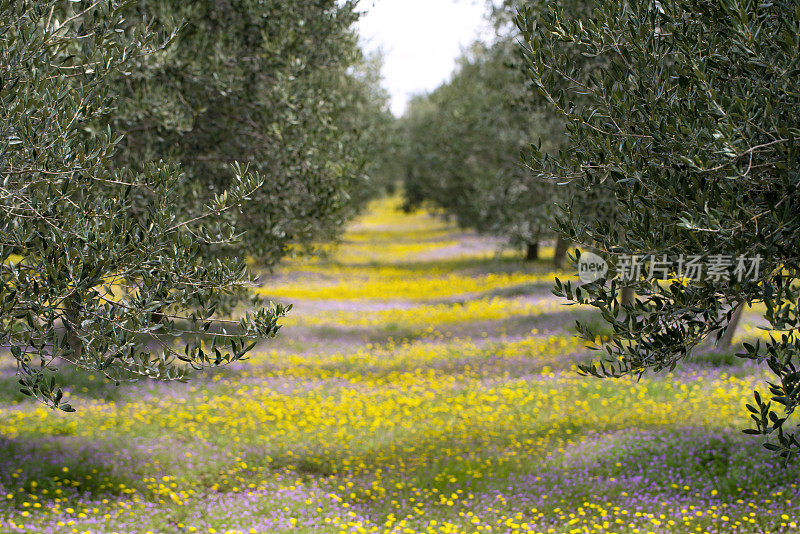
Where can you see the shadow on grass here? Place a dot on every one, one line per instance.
(58, 466)
(465, 265)
(75, 381)
(515, 326)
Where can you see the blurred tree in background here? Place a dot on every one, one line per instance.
(279, 87)
(691, 124)
(369, 128)
(464, 142)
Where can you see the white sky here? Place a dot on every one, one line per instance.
(420, 40)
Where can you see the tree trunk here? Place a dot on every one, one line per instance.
(532, 252)
(560, 256)
(72, 321)
(626, 296)
(726, 340)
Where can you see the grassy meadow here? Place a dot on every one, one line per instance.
(423, 383)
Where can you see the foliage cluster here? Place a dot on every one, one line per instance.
(147, 149)
(690, 129)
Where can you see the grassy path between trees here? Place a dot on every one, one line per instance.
(423, 384)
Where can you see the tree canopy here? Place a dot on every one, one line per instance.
(148, 149)
(690, 127)
(274, 86)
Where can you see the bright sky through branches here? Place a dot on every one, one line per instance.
(420, 39)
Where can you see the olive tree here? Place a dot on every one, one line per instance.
(464, 141)
(369, 130)
(268, 84)
(691, 126)
(100, 265)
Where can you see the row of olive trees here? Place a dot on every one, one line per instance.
(463, 143)
(147, 149)
(684, 116)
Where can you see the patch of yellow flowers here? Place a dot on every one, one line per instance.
(379, 286)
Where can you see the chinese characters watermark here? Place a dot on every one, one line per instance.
(717, 267)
